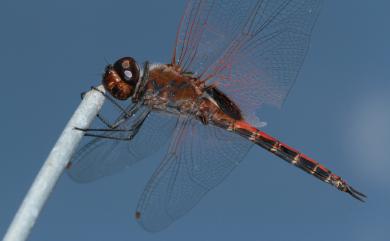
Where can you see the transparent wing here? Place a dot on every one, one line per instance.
(199, 158)
(252, 49)
(101, 157)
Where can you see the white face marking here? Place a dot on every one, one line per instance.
(128, 74)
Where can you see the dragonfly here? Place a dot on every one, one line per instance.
(231, 57)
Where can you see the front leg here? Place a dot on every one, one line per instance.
(123, 117)
(118, 134)
(125, 112)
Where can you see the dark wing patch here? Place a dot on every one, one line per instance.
(226, 104)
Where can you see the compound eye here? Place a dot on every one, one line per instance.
(127, 69)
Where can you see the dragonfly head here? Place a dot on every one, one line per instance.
(121, 78)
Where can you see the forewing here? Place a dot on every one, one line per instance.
(251, 49)
(206, 30)
(199, 158)
(102, 157)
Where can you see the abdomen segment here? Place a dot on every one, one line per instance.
(292, 156)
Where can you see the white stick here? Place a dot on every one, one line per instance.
(52, 169)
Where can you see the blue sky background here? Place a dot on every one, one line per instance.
(338, 113)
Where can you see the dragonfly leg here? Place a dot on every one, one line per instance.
(126, 113)
(115, 125)
(133, 130)
(110, 99)
(107, 97)
(102, 129)
(127, 138)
